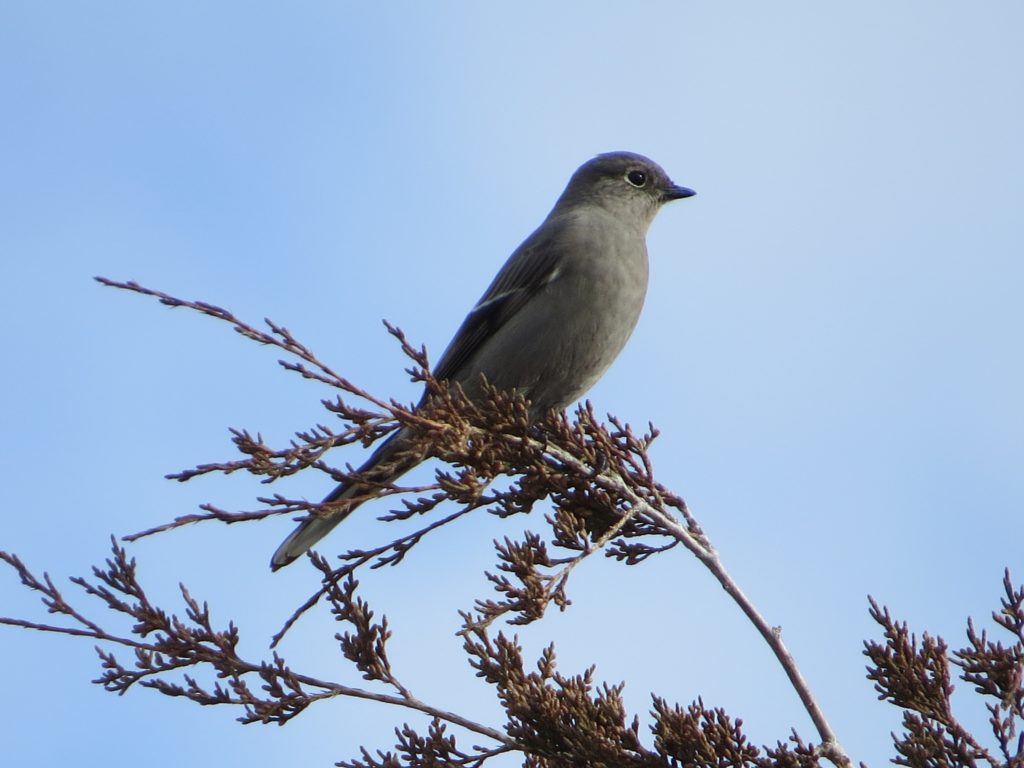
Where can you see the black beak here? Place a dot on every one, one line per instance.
(675, 192)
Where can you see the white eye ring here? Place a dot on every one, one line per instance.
(637, 178)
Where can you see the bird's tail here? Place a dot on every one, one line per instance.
(389, 462)
(311, 530)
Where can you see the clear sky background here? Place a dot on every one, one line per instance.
(831, 343)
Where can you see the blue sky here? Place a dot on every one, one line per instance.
(831, 342)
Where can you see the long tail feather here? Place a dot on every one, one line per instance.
(389, 462)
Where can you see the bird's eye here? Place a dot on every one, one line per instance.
(636, 178)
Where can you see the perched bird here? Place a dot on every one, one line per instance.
(554, 319)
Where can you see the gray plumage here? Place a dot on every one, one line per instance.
(554, 319)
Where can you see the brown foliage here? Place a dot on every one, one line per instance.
(599, 485)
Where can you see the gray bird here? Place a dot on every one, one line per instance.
(554, 319)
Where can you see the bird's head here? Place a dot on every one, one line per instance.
(626, 184)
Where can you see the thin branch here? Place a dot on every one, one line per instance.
(601, 482)
(699, 546)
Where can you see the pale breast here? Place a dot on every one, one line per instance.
(564, 339)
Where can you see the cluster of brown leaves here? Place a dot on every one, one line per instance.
(916, 677)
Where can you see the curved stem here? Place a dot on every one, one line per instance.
(772, 635)
(702, 549)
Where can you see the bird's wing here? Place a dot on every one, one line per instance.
(531, 267)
